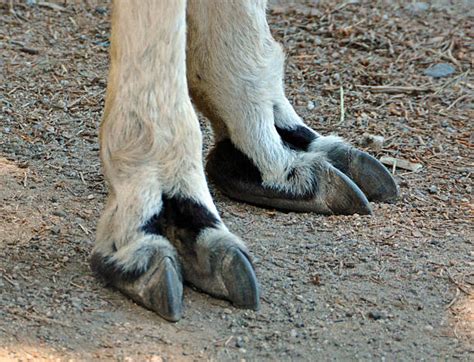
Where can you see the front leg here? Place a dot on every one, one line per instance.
(159, 225)
(235, 72)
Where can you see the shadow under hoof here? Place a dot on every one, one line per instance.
(333, 191)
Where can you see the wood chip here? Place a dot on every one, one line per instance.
(51, 6)
(403, 164)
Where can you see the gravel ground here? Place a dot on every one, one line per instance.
(397, 285)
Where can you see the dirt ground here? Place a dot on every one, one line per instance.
(397, 285)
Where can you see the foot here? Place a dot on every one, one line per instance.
(213, 260)
(182, 240)
(148, 272)
(312, 184)
(325, 176)
(367, 172)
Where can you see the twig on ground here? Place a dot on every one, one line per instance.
(51, 6)
(86, 231)
(343, 115)
(457, 100)
(451, 81)
(456, 283)
(395, 89)
(451, 303)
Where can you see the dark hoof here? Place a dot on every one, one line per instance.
(159, 289)
(236, 176)
(342, 196)
(367, 172)
(372, 177)
(219, 266)
(335, 194)
(166, 296)
(240, 280)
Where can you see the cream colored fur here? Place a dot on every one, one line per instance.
(235, 75)
(150, 137)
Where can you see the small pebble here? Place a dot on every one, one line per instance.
(372, 141)
(239, 343)
(59, 212)
(433, 189)
(101, 10)
(55, 230)
(376, 315)
(418, 7)
(439, 70)
(310, 106)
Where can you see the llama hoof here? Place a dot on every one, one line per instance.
(219, 266)
(240, 280)
(160, 289)
(366, 171)
(332, 192)
(340, 195)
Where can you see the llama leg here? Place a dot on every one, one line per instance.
(235, 72)
(151, 154)
(367, 172)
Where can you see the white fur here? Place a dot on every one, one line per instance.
(235, 73)
(150, 137)
(136, 257)
(208, 240)
(325, 143)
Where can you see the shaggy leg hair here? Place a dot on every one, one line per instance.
(265, 154)
(160, 224)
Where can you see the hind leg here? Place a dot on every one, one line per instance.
(160, 225)
(264, 153)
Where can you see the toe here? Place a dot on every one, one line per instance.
(221, 267)
(166, 291)
(372, 177)
(343, 196)
(366, 171)
(159, 289)
(240, 280)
